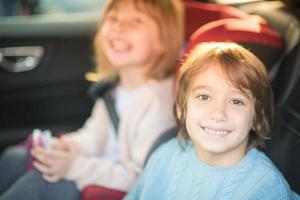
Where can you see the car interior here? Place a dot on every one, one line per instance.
(44, 60)
(47, 91)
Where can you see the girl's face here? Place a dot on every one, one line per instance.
(130, 38)
(219, 118)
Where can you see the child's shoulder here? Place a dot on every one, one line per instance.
(264, 163)
(169, 147)
(268, 174)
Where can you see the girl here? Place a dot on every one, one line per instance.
(137, 41)
(224, 109)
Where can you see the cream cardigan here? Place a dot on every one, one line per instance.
(140, 126)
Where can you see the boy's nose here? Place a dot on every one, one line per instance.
(218, 112)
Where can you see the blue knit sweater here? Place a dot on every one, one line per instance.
(177, 173)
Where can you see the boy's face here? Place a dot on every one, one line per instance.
(219, 118)
(130, 38)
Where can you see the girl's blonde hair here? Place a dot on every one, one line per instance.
(243, 70)
(169, 15)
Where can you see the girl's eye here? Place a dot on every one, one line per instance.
(136, 20)
(203, 97)
(237, 102)
(111, 18)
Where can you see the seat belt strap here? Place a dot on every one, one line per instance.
(111, 108)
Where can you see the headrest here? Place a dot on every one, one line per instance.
(253, 33)
(199, 13)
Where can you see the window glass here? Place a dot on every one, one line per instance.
(34, 7)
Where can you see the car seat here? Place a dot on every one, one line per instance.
(200, 13)
(252, 33)
(284, 146)
(282, 20)
(98, 192)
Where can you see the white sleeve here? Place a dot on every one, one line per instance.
(91, 137)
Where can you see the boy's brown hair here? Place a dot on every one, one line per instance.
(243, 70)
(169, 15)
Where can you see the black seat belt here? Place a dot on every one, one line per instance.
(103, 90)
(111, 108)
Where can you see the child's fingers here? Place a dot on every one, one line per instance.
(58, 144)
(44, 169)
(58, 155)
(37, 153)
(37, 149)
(50, 157)
(43, 156)
(34, 145)
(72, 145)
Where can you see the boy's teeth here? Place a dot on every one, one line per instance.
(216, 132)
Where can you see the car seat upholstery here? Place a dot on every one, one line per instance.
(200, 13)
(252, 33)
(284, 146)
(289, 75)
(101, 193)
(282, 20)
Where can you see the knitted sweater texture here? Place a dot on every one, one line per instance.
(174, 172)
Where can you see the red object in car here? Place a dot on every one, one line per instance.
(96, 192)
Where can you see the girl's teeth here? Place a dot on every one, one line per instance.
(119, 45)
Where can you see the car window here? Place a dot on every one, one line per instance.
(69, 6)
(35, 7)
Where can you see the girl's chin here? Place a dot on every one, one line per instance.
(119, 62)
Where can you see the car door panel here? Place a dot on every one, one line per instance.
(54, 94)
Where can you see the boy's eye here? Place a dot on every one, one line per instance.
(237, 102)
(203, 97)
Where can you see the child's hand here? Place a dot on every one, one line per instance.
(54, 163)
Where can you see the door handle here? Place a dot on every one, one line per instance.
(20, 59)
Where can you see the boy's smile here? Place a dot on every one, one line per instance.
(216, 132)
(219, 117)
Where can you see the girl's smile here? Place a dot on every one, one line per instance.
(120, 45)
